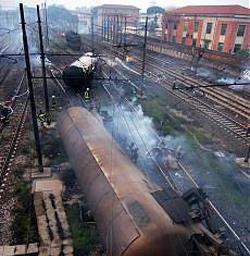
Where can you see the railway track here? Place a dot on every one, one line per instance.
(243, 247)
(5, 71)
(10, 138)
(226, 99)
(218, 96)
(209, 111)
(207, 106)
(185, 96)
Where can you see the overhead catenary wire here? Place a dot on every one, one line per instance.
(152, 158)
(125, 121)
(214, 208)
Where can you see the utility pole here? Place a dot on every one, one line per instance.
(125, 31)
(118, 30)
(246, 160)
(112, 29)
(102, 27)
(31, 93)
(114, 18)
(125, 38)
(45, 86)
(92, 32)
(144, 53)
(46, 24)
(108, 28)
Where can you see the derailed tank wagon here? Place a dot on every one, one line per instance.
(80, 72)
(131, 219)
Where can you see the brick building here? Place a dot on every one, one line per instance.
(223, 28)
(107, 14)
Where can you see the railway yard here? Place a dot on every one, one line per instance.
(154, 160)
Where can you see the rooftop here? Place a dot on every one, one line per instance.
(118, 6)
(212, 10)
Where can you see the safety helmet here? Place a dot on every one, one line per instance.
(87, 89)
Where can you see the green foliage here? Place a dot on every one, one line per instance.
(155, 10)
(245, 53)
(85, 236)
(202, 136)
(24, 225)
(155, 107)
(60, 16)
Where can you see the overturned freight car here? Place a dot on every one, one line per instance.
(80, 73)
(130, 219)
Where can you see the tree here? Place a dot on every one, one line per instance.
(155, 10)
(244, 53)
(61, 17)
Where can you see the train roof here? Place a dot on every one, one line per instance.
(84, 61)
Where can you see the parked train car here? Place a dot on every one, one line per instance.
(80, 72)
(74, 40)
(130, 220)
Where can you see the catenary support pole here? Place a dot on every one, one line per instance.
(117, 29)
(113, 30)
(108, 28)
(125, 39)
(144, 53)
(92, 32)
(31, 93)
(45, 86)
(46, 24)
(125, 31)
(246, 160)
(102, 26)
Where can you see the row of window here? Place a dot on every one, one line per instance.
(220, 47)
(237, 47)
(240, 32)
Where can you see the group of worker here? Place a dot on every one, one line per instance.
(42, 117)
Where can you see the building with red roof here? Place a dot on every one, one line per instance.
(223, 28)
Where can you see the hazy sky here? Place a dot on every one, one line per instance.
(71, 4)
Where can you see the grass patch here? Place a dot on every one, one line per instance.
(202, 136)
(53, 148)
(86, 239)
(24, 224)
(164, 121)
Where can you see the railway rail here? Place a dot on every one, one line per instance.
(5, 70)
(218, 96)
(207, 110)
(168, 179)
(202, 107)
(227, 99)
(10, 138)
(208, 105)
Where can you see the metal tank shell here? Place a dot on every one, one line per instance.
(129, 219)
(80, 72)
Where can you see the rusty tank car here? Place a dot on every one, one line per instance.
(130, 220)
